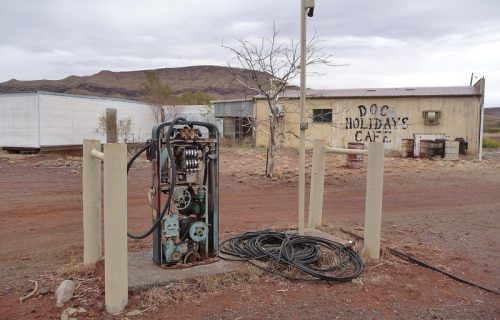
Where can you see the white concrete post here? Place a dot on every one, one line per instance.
(115, 227)
(373, 205)
(317, 184)
(92, 239)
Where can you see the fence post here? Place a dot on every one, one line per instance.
(92, 239)
(317, 184)
(115, 227)
(373, 204)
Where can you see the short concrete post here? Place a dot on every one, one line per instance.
(317, 184)
(374, 191)
(115, 227)
(92, 239)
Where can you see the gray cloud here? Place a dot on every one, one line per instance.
(384, 43)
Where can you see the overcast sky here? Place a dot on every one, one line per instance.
(385, 43)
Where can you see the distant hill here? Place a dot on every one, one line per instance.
(217, 81)
(492, 120)
(492, 113)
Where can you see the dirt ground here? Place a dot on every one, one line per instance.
(446, 213)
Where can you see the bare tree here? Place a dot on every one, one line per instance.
(125, 129)
(112, 129)
(272, 64)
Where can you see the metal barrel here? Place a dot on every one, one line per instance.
(407, 148)
(355, 161)
(426, 149)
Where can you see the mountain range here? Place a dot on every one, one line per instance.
(217, 81)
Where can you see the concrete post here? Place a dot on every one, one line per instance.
(317, 184)
(92, 239)
(115, 227)
(303, 123)
(374, 191)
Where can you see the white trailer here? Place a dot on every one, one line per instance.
(42, 120)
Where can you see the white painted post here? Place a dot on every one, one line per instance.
(115, 227)
(373, 205)
(317, 184)
(92, 239)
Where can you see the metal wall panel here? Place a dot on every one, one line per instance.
(68, 120)
(19, 120)
(234, 109)
(388, 120)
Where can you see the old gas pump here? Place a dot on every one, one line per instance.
(184, 193)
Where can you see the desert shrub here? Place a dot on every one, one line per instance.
(490, 144)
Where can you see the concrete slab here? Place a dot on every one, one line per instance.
(143, 273)
(324, 235)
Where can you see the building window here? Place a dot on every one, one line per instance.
(431, 117)
(322, 115)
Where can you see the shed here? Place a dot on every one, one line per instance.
(237, 117)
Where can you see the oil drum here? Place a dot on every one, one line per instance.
(355, 161)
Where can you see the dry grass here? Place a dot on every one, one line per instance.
(229, 280)
(360, 249)
(328, 258)
(75, 267)
(379, 279)
(333, 229)
(284, 269)
(76, 270)
(283, 227)
(154, 297)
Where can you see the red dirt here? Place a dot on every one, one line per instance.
(446, 213)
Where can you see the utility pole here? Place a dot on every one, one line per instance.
(306, 7)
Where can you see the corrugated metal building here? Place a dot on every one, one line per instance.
(388, 115)
(236, 117)
(42, 120)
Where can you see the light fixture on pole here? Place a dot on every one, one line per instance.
(307, 7)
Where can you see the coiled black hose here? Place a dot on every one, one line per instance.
(317, 258)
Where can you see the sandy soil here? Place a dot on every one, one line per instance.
(446, 213)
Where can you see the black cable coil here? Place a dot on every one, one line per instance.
(317, 258)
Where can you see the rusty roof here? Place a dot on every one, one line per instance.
(384, 92)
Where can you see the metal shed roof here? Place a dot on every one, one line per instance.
(384, 92)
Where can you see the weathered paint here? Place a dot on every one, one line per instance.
(378, 119)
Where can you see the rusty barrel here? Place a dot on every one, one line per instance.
(355, 161)
(407, 148)
(425, 149)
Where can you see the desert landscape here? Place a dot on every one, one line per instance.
(442, 212)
